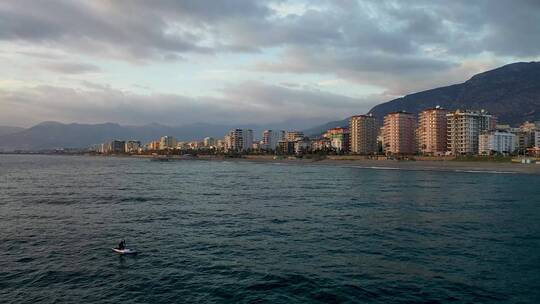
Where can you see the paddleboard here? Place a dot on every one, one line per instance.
(124, 251)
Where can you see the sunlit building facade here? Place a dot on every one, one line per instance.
(399, 133)
(432, 131)
(363, 134)
(294, 135)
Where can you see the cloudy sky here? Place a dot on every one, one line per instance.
(244, 61)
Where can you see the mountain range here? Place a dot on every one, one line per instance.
(511, 92)
(53, 135)
(5, 130)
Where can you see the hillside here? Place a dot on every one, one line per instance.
(511, 92)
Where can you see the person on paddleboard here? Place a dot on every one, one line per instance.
(122, 245)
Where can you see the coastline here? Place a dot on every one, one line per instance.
(423, 165)
(361, 163)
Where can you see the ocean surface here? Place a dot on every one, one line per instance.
(238, 232)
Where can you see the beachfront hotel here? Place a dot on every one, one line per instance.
(464, 129)
(432, 131)
(363, 134)
(399, 133)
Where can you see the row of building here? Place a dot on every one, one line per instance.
(435, 131)
(165, 143)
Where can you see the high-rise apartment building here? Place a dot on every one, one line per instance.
(464, 128)
(167, 142)
(114, 146)
(209, 142)
(363, 134)
(132, 146)
(153, 145)
(399, 133)
(285, 147)
(432, 131)
(271, 139)
(294, 135)
(240, 140)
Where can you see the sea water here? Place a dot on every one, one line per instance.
(239, 232)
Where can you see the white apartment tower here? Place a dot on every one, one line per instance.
(240, 139)
(167, 142)
(464, 128)
(271, 139)
(209, 142)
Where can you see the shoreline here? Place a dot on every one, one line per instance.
(379, 164)
(407, 165)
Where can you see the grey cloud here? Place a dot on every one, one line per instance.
(42, 55)
(70, 67)
(250, 102)
(90, 28)
(399, 46)
(375, 68)
(269, 97)
(397, 76)
(142, 29)
(411, 39)
(515, 28)
(95, 86)
(466, 27)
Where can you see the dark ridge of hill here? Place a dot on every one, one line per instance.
(511, 92)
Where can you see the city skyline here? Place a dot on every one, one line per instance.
(435, 132)
(243, 62)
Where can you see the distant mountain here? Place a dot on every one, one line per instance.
(4, 130)
(52, 135)
(511, 92)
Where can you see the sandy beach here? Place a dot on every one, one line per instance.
(424, 165)
(383, 164)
